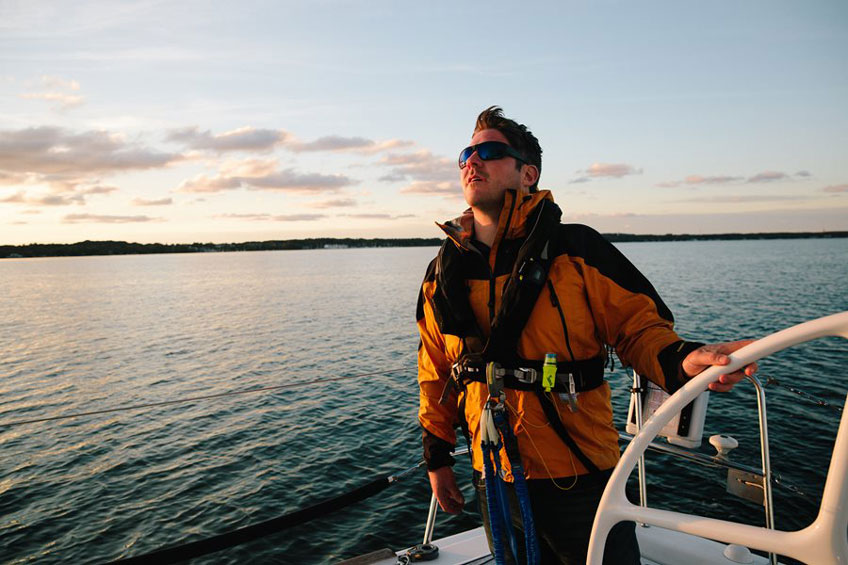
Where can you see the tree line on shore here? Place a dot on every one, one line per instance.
(128, 248)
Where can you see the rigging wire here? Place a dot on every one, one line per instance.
(196, 398)
(803, 394)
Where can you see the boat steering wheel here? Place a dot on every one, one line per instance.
(822, 542)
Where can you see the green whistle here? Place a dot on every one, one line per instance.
(549, 370)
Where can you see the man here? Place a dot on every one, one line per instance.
(587, 298)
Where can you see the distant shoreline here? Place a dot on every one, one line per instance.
(87, 248)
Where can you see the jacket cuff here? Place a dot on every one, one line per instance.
(437, 452)
(671, 361)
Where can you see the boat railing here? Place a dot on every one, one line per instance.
(764, 476)
(822, 542)
(705, 460)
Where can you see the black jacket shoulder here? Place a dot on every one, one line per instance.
(581, 241)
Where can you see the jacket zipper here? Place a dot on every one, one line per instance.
(492, 271)
(555, 302)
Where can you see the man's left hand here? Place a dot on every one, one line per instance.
(717, 354)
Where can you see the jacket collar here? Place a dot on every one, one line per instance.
(511, 222)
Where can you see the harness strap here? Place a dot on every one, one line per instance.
(527, 375)
(553, 417)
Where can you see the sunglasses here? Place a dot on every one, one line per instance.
(489, 151)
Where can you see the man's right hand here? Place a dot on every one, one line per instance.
(443, 483)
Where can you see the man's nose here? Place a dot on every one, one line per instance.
(474, 160)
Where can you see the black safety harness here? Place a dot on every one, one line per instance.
(497, 356)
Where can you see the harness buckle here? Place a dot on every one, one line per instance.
(457, 379)
(571, 395)
(527, 375)
(494, 379)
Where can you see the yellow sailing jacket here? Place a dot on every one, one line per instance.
(604, 300)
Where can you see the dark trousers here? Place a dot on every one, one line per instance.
(563, 522)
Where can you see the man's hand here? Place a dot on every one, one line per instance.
(443, 483)
(716, 354)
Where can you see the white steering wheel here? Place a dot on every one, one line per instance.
(822, 542)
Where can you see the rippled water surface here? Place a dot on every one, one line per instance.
(90, 333)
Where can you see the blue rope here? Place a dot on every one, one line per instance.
(503, 498)
(492, 501)
(531, 542)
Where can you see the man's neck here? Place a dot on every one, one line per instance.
(485, 225)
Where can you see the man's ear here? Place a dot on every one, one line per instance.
(529, 176)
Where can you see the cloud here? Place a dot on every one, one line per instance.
(334, 203)
(59, 196)
(431, 175)
(146, 202)
(275, 218)
(392, 177)
(697, 180)
(204, 183)
(241, 139)
(17, 198)
(615, 170)
(354, 144)
(768, 176)
(57, 90)
(445, 188)
(298, 217)
(372, 216)
(248, 168)
(290, 180)
(287, 180)
(48, 81)
(99, 189)
(64, 101)
(791, 219)
(836, 188)
(737, 199)
(764, 177)
(50, 150)
(103, 219)
(21, 197)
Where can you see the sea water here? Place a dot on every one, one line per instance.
(90, 333)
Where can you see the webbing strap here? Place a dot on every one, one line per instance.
(556, 424)
(587, 374)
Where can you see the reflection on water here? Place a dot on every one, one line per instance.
(88, 333)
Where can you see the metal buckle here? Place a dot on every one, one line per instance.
(527, 375)
(494, 379)
(456, 371)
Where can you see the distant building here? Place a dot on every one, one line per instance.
(335, 246)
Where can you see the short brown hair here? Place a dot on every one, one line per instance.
(518, 136)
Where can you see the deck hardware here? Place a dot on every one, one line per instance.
(723, 444)
(418, 553)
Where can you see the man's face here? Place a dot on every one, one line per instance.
(484, 182)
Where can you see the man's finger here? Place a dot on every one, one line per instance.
(719, 387)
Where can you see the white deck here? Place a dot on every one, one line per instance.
(658, 546)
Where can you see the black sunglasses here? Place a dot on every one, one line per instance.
(489, 151)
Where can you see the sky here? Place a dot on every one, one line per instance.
(181, 122)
